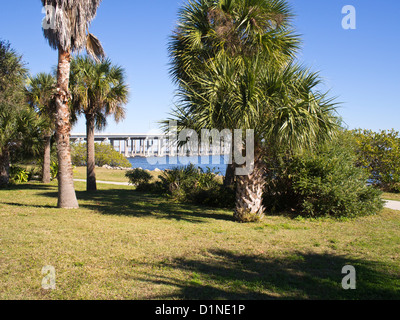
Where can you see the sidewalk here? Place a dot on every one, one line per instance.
(106, 182)
(394, 205)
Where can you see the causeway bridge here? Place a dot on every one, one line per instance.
(146, 145)
(130, 145)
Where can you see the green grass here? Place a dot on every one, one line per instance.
(122, 244)
(102, 174)
(107, 175)
(391, 196)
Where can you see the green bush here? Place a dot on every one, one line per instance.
(104, 155)
(193, 185)
(18, 175)
(325, 182)
(379, 154)
(217, 196)
(54, 170)
(188, 184)
(138, 177)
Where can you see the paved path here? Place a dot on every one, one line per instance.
(106, 182)
(394, 205)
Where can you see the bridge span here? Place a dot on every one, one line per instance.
(130, 145)
(146, 145)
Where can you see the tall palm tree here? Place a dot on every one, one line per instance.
(98, 90)
(40, 92)
(239, 29)
(70, 34)
(281, 105)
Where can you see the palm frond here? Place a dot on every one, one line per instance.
(98, 88)
(94, 48)
(72, 19)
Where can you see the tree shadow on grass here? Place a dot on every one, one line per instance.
(13, 204)
(128, 202)
(17, 199)
(228, 275)
(28, 186)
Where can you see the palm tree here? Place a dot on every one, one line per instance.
(70, 33)
(98, 91)
(40, 92)
(282, 106)
(208, 29)
(16, 122)
(237, 28)
(19, 133)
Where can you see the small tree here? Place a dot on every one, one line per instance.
(19, 126)
(379, 154)
(138, 176)
(40, 92)
(321, 182)
(105, 155)
(98, 90)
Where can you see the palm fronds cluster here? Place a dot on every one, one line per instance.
(234, 62)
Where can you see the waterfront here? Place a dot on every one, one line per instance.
(166, 163)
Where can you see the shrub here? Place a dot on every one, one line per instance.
(379, 154)
(138, 177)
(194, 185)
(54, 170)
(325, 182)
(104, 155)
(18, 175)
(217, 196)
(186, 184)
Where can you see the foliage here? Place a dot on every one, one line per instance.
(105, 155)
(198, 186)
(40, 94)
(54, 170)
(70, 31)
(234, 63)
(19, 126)
(20, 132)
(379, 154)
(324, 182)
(98, 90)
(18, 175)
(12, 75)
(208, 29)
(138, 177)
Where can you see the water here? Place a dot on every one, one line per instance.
(165, 163)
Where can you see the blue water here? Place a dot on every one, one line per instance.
(219, 163)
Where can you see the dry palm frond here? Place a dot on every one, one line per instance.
(71, 22)
(94, 48)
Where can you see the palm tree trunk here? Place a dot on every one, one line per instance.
(66, 191)
(229, 179)
(46, 177)
(4, 168)
(91, 164)
(249, 193)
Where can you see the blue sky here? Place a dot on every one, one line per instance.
(361, 67)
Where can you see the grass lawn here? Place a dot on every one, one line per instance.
(391, 196)
(122, 244)
(107, 175)
(102, 174)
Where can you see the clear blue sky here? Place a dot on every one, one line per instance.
(361, 67)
